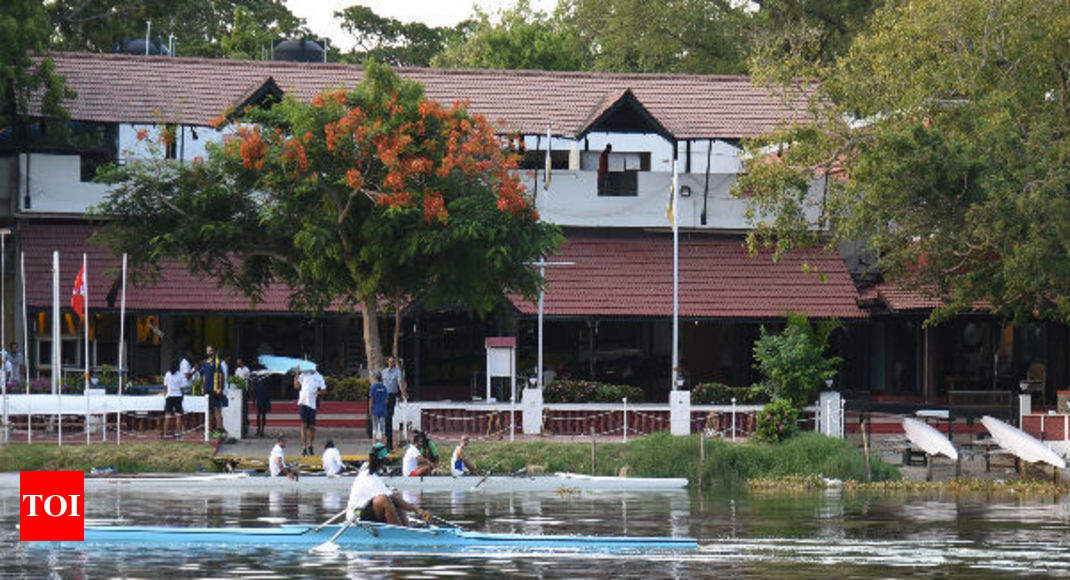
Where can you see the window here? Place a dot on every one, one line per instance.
(619, 184)
(536, 159)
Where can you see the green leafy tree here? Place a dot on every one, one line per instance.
(791, 37)
(794, 361)
(517, 38)
(393, 42)
(682, 36)
(353, 199)
(222, 28)
(25, 28)
(941, 137)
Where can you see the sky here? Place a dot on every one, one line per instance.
(319, 14)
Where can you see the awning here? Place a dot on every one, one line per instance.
(624, 275)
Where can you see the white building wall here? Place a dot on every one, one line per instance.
(572, 200)
(55, 185)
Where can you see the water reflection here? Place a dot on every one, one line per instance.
(798, 534)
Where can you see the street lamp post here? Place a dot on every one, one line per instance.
(4, 233)
(543, 264)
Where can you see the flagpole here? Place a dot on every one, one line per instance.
(57, 351)
(122, 352)
(26, 348)
(549, 160)
(3, 323)
(675, 275)
(85, 323)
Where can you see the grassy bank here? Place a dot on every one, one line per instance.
(127, 458)
(662, 455)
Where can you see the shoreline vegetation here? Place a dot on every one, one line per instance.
(170, 457)
(657, 455)
(664, 455)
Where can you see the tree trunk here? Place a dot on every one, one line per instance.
(397, 327)
(373, 351)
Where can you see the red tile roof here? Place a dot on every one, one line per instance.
(134, 88)
(898, 298)
(176, 289)
(631, 275)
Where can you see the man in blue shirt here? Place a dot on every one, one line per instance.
(395, 384)
(214, 374)
(378, 396)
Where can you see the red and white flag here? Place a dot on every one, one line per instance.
(78, 294)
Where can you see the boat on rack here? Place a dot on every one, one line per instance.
(1022, 444)
(929, 440)
(375, 536)
(244, 482)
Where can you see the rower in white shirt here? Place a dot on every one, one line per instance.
(332, 460)
(371, 501)
(277, 461)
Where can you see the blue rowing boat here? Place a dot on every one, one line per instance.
(374, 536)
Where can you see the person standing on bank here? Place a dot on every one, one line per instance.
(173, 383)
(309, 384)
(395, 385)
(262, 391)
(214, 375)
(377, 398)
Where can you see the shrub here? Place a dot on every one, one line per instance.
(577, 391)
(346, 388)
(718, 393)
(794, 360)
(777, 421)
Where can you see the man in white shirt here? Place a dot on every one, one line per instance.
(414, 464)
(332, 460)
(371, 501)
(172, 407)
(309, 384)
(277, 461)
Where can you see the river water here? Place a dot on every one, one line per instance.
(740, 534)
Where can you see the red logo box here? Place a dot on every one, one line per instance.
(51, 506)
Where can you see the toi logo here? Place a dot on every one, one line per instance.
(51, 506)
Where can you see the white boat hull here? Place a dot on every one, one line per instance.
(928, 439)
(312, 483)
(1022, 444)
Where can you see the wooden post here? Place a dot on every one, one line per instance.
(928, 467)
(865, 443)
(701, 456)
(593, 464)
(1055, 475)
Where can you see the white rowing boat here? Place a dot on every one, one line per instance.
(242, 482)
(928, 439)
(1021, 444)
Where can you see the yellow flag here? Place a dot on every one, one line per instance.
(670, 210)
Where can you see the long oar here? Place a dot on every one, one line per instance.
(328, 522)
(486, 475)
(444, 521)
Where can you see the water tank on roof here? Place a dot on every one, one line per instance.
(137, 46)
(302, 50)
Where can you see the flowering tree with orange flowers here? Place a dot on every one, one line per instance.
(359, 198)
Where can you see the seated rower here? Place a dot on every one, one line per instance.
(416, 463)
(332, 460)
(277, 461)
(371, 501)
(459, 464)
